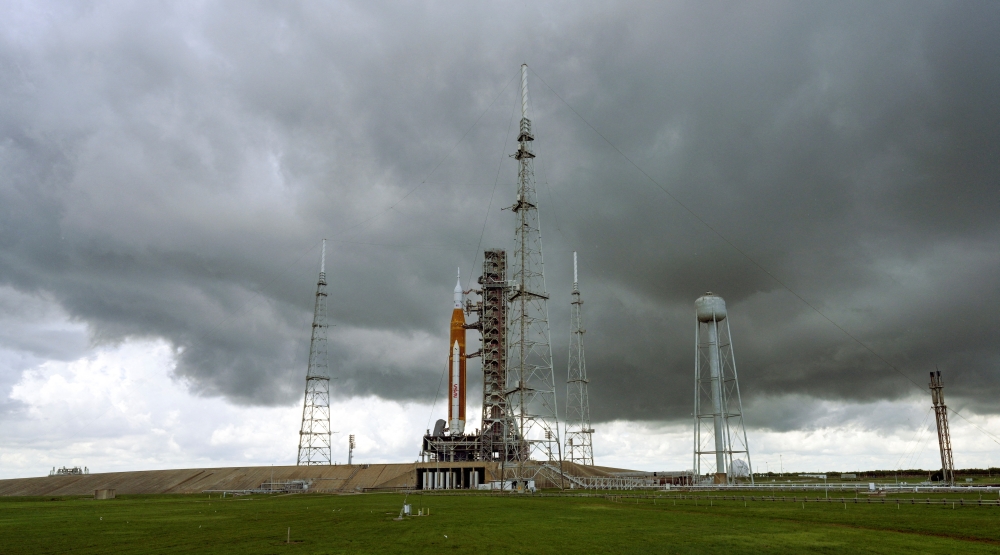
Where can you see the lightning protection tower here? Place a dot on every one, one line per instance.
(719, 434)
(579, 435)
(530, 383)
(944, 436)
(314, 436)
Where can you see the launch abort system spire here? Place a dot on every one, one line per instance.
(314, 436)
(944, 436)
(579, 435)
(530, 380)
(717, 397)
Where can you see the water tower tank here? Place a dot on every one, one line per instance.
(710, 307)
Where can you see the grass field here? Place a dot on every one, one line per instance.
(483, 524)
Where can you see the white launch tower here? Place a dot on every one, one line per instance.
(719, 435)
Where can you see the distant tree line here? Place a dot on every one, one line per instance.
(909, 472)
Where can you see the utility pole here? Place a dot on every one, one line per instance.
(944, 436)
(531, 383)
(315, 434)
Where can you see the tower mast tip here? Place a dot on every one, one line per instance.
(524, 91)
(322, 259)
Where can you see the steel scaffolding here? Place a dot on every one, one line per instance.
(498, 439)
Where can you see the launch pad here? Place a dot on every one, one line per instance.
(498, 440)
(520, 418)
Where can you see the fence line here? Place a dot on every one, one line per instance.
(960, 502)
(618, 498)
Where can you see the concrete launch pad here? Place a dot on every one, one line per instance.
(316, 479)
(331, 479)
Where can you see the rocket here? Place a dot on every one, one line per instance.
(456, 365)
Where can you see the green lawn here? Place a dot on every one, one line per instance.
(480, 524)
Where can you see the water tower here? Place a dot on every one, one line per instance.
(719, 436)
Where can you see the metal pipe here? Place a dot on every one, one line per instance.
(524, 90)
(322, 259)
(716, 374)
(697, 401)
(739, 400)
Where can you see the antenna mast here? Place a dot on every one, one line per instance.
(579, 438)
(315, 435)
(531, 383)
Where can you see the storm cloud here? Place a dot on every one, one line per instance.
(168, 172)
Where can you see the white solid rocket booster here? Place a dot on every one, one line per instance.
(456, 425)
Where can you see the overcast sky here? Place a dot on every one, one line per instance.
(168, 170)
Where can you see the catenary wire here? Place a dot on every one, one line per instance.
(914, 441)
(438, 165)
(743, 253)
(257, 293)
(481, 234)
(496, 180)
(437, 392)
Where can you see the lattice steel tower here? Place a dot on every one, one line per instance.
(944, 436)
(314, 436)
(717, 397)
(499, 439)
(579, 435)
(530, 383)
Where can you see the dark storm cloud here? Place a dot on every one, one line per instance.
(169, 171)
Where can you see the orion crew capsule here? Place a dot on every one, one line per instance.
(456, 365)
